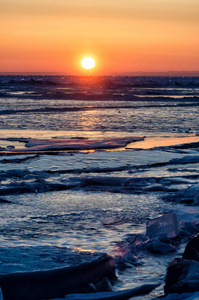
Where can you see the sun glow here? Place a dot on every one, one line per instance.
(88, 63)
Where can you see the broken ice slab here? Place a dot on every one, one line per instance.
(188, 195)
(182, 277)
(155, 245)
(81, 144)
(48, 284)
(1, 295)
(166, 225)
(118, 295)
(182, 296)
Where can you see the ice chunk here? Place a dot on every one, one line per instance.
(193, 193)
(156, 245)
(108, 143)
(182, 277)
(192, 249)
(1, 295)
(185, 160)
(10, 147)
(166, 225)
(125, 294)
(189, 195)
(47, 284)
(187, 296)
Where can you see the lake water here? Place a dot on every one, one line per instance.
(67, 205)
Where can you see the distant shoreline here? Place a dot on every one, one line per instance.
(166, 73)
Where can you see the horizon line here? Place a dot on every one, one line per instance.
(136, 73)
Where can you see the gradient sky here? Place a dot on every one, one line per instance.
(121, 35)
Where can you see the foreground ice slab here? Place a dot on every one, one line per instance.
(56, 283)
(119, 295)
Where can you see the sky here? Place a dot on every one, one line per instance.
(122, 36)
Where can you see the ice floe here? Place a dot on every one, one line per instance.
(81, 144)
(58, 282)
(119, 295)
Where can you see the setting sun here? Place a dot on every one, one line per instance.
(88, 63)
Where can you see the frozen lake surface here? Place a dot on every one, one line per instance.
(86, 163)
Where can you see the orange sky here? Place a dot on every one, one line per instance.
(121, 35)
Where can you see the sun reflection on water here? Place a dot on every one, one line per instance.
(89, 119)
(80, 250)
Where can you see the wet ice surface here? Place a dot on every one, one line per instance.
(69, 207)
(75, 219)
(111, 119)
(102, 103)
(104, 200)
(81, 207)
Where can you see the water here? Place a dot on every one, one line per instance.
(100, 103)
(65, 207)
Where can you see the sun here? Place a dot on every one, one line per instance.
(88, 63)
